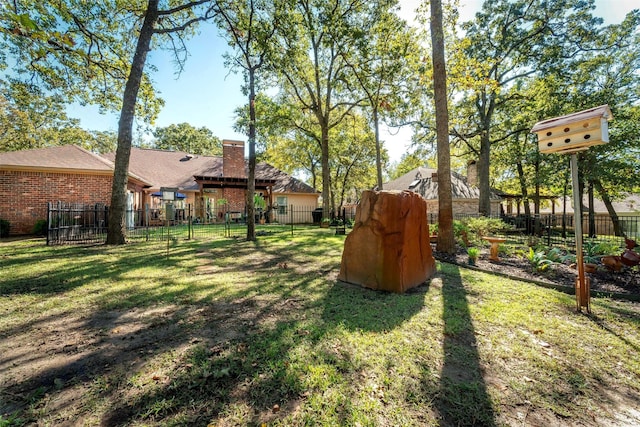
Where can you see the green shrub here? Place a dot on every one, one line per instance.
(4, 228)
(461, 233)
(482, 226)
(602, 248)
(538, 260)
(40, 228)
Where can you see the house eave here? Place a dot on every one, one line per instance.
(231, 182)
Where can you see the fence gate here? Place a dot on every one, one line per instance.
(76, 223)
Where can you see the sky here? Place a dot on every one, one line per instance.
(206, 93)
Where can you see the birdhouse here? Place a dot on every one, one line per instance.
(573, 132)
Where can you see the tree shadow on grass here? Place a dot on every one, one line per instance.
(359, 308)
(463, 398)
(231, 348)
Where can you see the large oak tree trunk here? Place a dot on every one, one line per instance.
(446, 241)
(116, 230)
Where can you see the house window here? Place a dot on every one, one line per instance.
(282, 205)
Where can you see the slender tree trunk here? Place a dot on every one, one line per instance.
(484, 204)
(617, 227)
(536, 201)
(116, 231)
(251, 178)
(565, 193)
(446, 241)
(592, 213)
(314, 174)
(326, 176)
(523, 188)
(378, 156)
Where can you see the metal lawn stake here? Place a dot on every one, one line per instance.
(568, 135)
(168, 195)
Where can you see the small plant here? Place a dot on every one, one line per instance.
(593, 252)
(40, 228)
(555, 255)
(473, 253)
(538, 260)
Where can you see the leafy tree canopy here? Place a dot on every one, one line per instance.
(187, 138)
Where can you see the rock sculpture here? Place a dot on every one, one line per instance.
(388, 248)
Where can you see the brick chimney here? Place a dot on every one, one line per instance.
(472, 173)
(233, 159)
(434, 177)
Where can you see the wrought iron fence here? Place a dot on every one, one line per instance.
(558, 229)
(74, 223)
(69, 223)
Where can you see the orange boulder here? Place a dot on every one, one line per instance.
(388, 248)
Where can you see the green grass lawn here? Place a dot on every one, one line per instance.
(229, 332)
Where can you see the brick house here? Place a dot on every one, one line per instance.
(31, 178)
(206, 180)
(465, 193)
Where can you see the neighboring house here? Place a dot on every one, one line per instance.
(465, 194)
(629, 206)
(627, 210)
(31, 178)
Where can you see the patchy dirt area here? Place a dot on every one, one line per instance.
(54, 364)
(625, 282)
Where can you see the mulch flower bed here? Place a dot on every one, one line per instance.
(623, 283)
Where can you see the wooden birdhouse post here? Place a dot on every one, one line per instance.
(568, 135)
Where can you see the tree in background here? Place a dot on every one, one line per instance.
(75, 49)
(507, 42)
(384, 66)
(187, 138)
(312, 69)
(354, 160)
(248, 27)
(31, 119)
(82, 49)
(604, 74)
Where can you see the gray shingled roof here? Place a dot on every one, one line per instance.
(176, 169)
(420, 181)
(285, 183)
